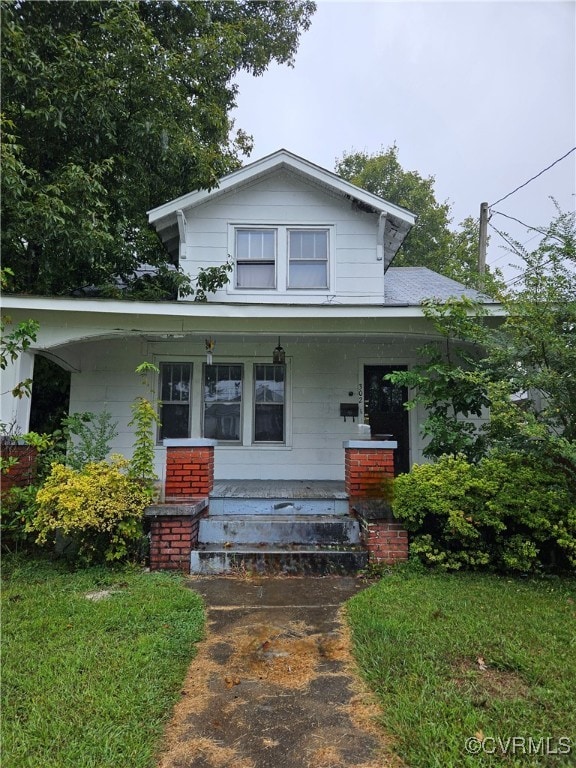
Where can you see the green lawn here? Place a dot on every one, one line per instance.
(422, 642)
(91, 682)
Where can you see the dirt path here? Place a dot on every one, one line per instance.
(273, 684)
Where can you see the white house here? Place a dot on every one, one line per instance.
(284, 363)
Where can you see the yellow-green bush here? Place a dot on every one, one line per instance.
(98, 507)
(511, 512)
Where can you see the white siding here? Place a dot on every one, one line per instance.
(320, 373)
(285, 200)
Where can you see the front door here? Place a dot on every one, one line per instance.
(385, 412)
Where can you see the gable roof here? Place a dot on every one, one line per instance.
(396, 221)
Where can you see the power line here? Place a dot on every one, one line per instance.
(534, 177)
(512, 218)
(499, 258)
(504, 237)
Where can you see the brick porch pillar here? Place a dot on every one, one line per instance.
(23, 472)
(174, 524)
(189, 467)
(369, 471)
(174, 534)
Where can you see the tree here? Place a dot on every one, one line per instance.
(524, 370)
(452, 382)
(431, 243)
(535, 351)
(15, 339)
(112, 108)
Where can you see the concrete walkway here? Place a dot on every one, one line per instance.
(273, 685)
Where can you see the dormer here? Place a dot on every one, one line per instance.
(296, 233)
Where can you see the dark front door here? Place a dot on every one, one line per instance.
(384, 407)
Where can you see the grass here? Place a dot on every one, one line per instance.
(422, 641)
(90, 683)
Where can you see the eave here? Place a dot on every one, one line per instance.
(397, 222)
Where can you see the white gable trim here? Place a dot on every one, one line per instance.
(286, 160)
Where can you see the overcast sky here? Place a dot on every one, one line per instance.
(480, 95)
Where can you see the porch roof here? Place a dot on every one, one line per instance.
(67, 320)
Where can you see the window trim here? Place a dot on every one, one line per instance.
(196, 412)
(273, 261)
(254, 441)
(282, 259)
(162, 402)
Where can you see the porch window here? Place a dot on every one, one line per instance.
(255, 258)
(308, 258)
(269, 400)
(223, 402)
(175, 398)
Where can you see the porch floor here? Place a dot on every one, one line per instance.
(279, 489)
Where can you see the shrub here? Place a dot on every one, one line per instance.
(18, 509)
(88, 437)
(98, 508)
(511, 512)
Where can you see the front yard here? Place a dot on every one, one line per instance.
(92, 663)
(468, 668)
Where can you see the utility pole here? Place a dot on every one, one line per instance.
(482, 238)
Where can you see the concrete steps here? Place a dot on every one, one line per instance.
(291, 534)
(283, 530)
(224, 505)
(295, 559)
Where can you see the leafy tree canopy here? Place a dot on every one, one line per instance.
(524, 369)
(431, 242)
(112, 108)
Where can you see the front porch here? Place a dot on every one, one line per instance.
(289, 526)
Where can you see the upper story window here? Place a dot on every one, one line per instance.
(282, 258)
(308, 258)
(255, 258)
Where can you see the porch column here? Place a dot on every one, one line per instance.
(174, 534)
(174, 524)
(189, 467)
(15, 411)
(369, 472)
(23, 472)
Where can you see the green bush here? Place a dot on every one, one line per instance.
(510, 512)
(18, 509)
(98, 508)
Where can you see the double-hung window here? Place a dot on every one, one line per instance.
(269, 401)
(282, 258)
(307, 258)
(255, 258)
(223, 402)
(175, 399)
